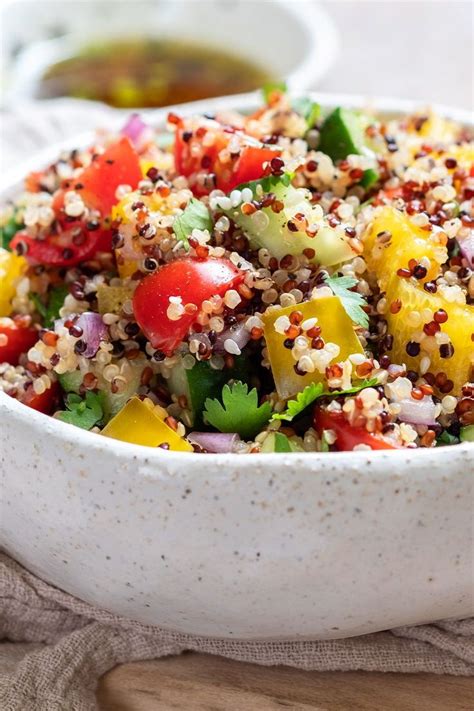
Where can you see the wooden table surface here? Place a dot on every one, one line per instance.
(199, 682)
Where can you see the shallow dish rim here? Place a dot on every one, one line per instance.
(243, 102)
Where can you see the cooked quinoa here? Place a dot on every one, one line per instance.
(285, 281)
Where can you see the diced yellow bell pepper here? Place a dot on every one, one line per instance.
(138, 423)
(407, 241)
(464, 155)
(417, 308)
(145, 165)
(112, 298)
(11, 268)
(336, 327)
(439, 129)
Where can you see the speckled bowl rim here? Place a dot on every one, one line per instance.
(80, 438)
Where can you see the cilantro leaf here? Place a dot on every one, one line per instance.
(83, 413)
(268, 183)
(312, 392)
(272, 86)
(308, 109)
(351, 300)
(55, 302)
(39, 306)
(446, 438)
(195, 216)
(303, 399)
(8, 231)
(282, 443)
(239, 412)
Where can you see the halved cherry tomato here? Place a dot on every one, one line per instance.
(98, 183)
(45, 402)
(75, 241)
(197, 149)
(194, 280)
(347, 435)
(65, 249)
(20, 339)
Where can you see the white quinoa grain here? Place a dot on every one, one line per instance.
(231, 347)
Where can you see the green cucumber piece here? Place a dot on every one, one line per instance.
(112, 402)
(71, 382)
(331, 246)
(278, 442)
(467, 433)
(202, 381)
(343, 134)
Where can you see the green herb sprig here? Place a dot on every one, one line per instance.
(239, 411)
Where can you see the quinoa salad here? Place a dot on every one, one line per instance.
(294, 280)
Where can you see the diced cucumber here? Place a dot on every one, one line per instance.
(467, 433)
(202, 381)
(277, 442)
(269, 229)
(343, 134)
(112, 402)
(71, 382)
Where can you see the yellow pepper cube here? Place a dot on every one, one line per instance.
(454, 341)
(11, 268)
(400, 241)
(112, 298)
(336, 327)
(138, 423)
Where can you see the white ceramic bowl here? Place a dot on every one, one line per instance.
(252, 547)
(294, 40)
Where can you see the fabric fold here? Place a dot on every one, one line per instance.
(55, 647)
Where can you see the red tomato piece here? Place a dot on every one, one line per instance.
(194, 280)
(347, 435)
(195, 153)
(118, 165)
(250, 165)
(76, 241)
(64, 250)
(45, 402)
(20, 339)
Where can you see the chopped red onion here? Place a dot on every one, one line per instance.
(215, 442)
(418, 412)
(239, 334)
(466, 246)
(134, 128)
(94, 331)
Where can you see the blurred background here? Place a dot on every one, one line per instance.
(146, 53)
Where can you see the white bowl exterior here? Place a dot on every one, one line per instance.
(268, 546)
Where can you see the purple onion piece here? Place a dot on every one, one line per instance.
(94, 331)
(418, 412)
(466, 247)
(239, 334)
(215, 442)
(134, 128)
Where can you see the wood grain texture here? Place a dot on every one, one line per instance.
(199, 682)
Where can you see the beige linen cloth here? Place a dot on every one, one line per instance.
(55, 647)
